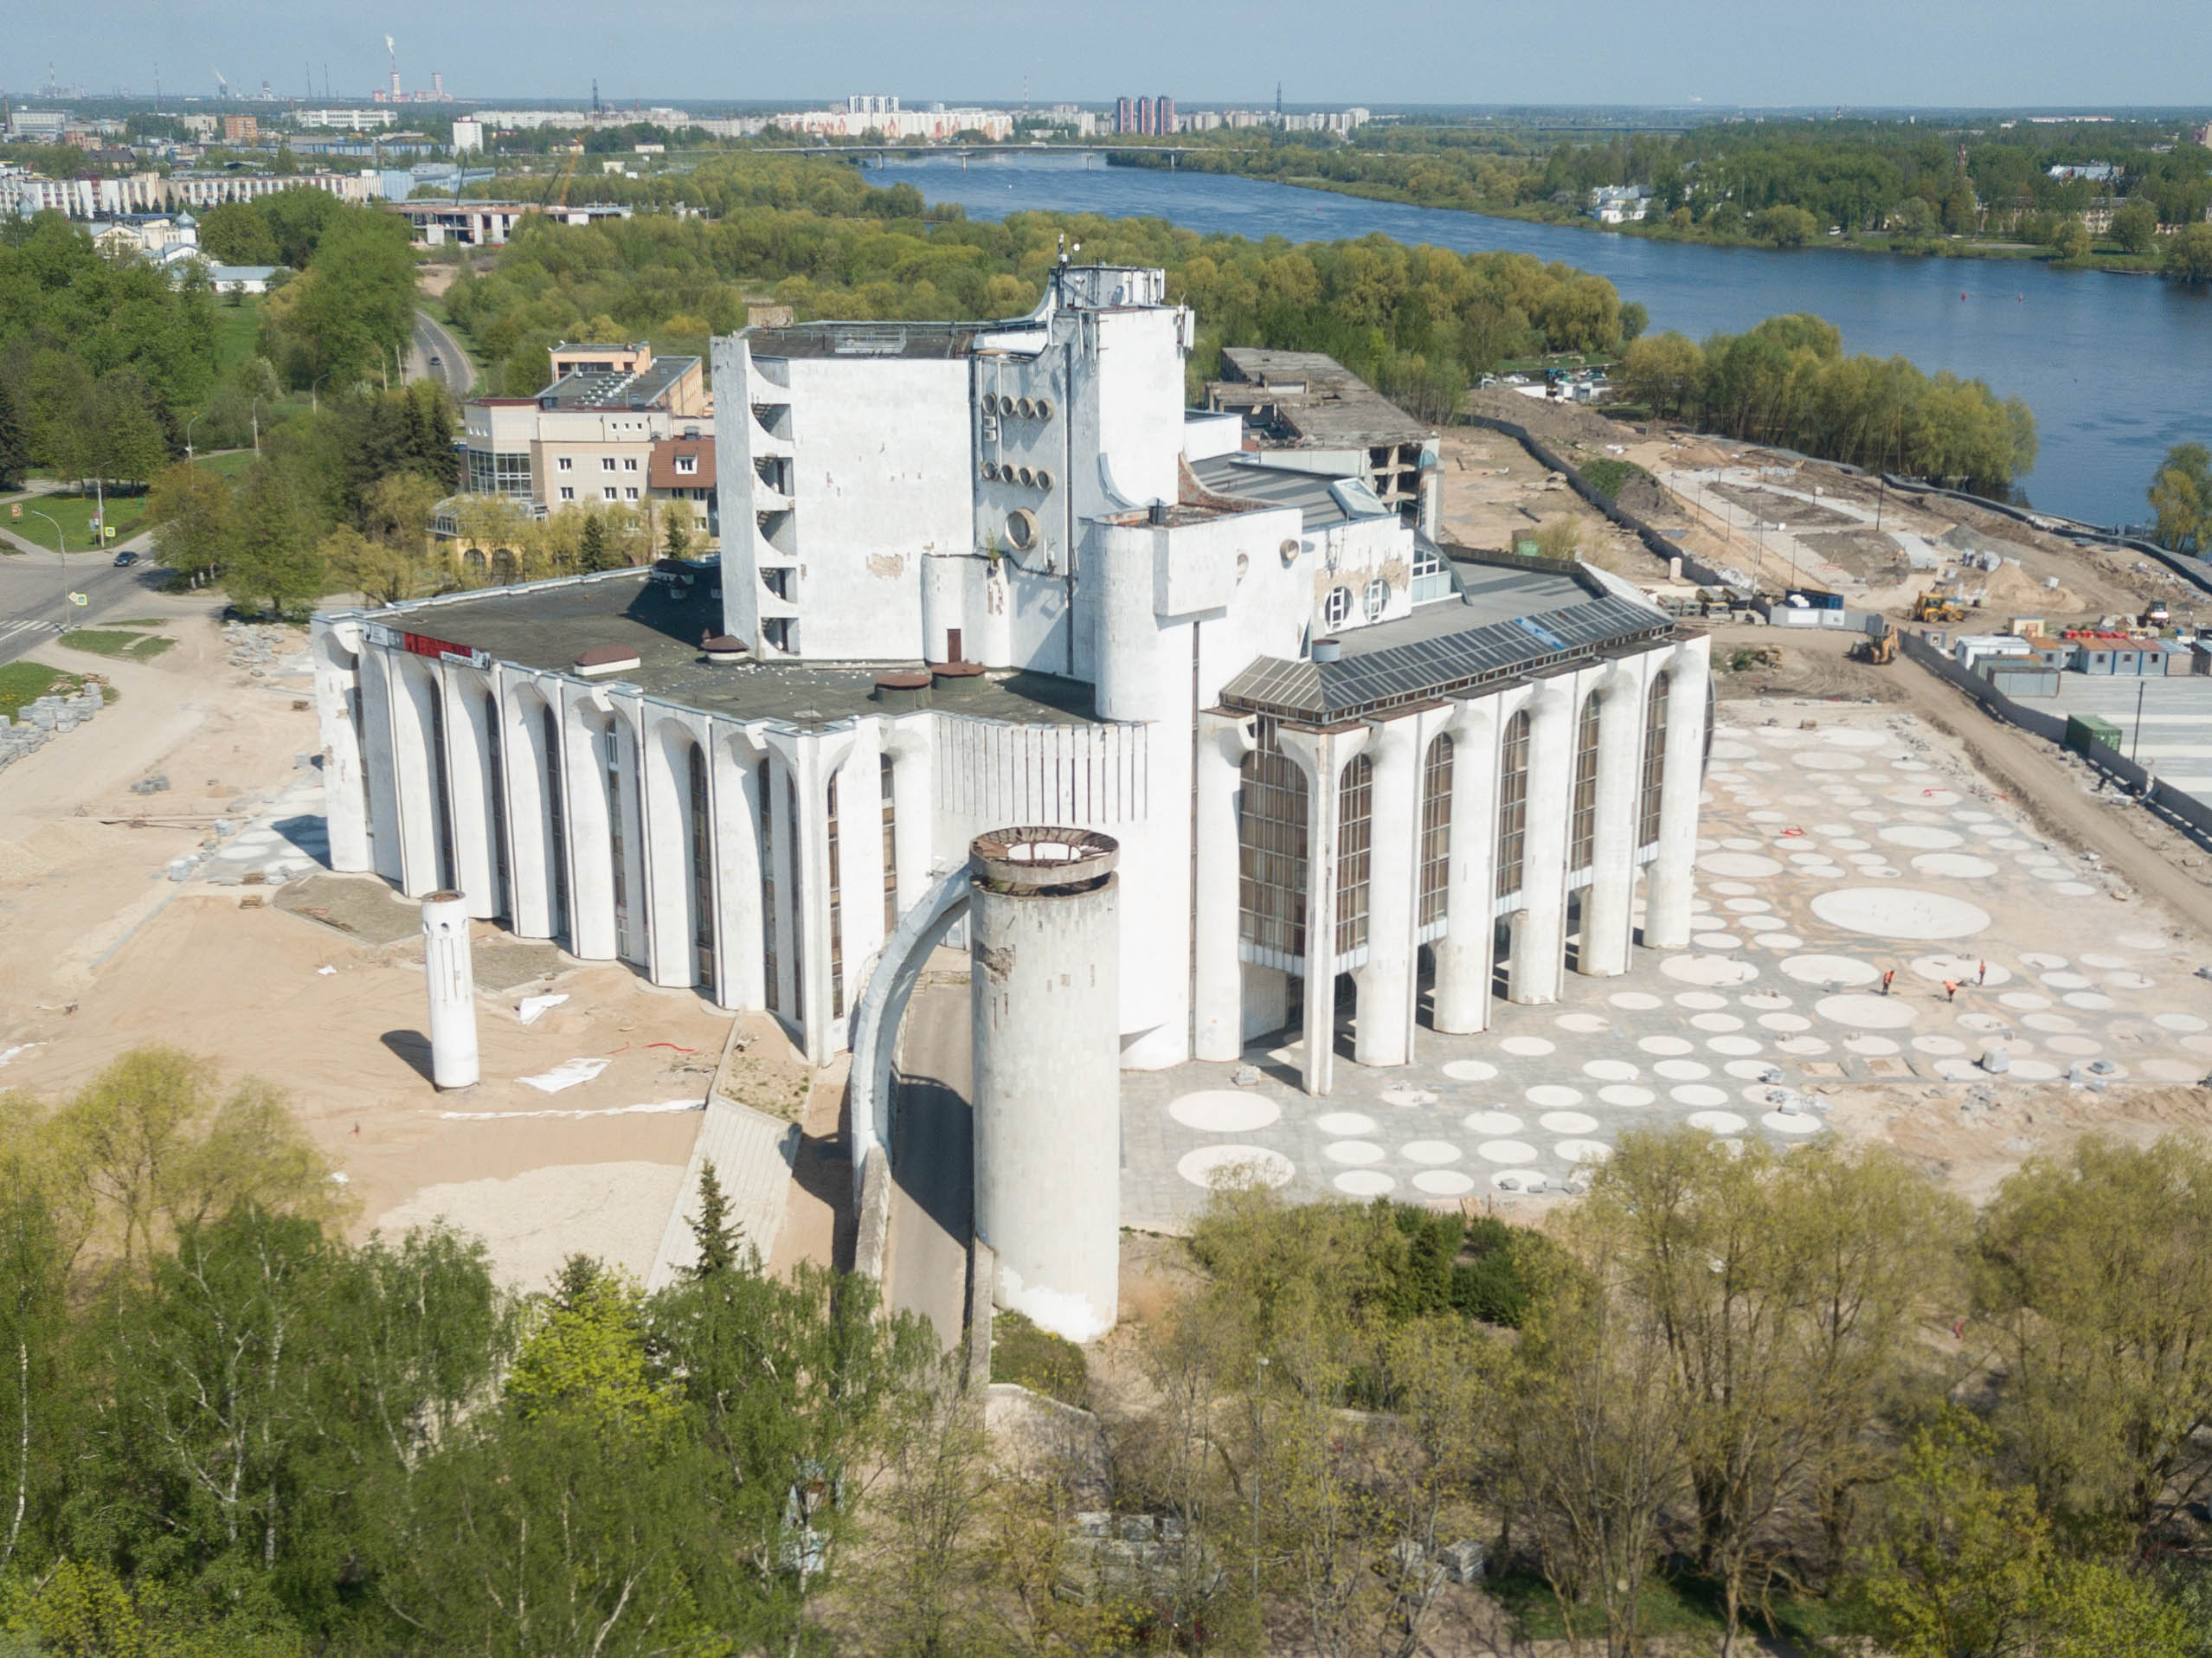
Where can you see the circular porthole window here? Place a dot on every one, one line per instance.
(990, 471)
(1026, 476)
(1377, 596)
(1044, 408)
(1243, 566)
(1021, 528)
(1337, 606)
(1025, 408)
(1290, 551)
(1044, 478)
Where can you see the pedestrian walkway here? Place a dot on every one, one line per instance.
(18, 627)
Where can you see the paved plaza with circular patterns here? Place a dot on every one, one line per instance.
(1828, 856)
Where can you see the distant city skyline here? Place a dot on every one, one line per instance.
(1954, 53)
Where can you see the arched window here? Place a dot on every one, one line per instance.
(764, 785)
(611, 747)
(1513, 804)
(702, 870)
(836, 912)
(1355, 852)
(1272, 854)
(1655, 762)
(1436, 831)
(498, 774)
(1582, 831)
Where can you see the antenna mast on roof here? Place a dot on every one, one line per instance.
(595, 96)
(1278, 103)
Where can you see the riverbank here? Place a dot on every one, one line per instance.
(2111, 258)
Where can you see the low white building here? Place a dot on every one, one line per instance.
(1620, 203)
(970, 578)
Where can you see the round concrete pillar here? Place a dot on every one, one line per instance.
(452, 978)
(1044, 932)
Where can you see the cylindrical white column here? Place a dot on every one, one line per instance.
(452, 978)
(1219, 1006)
(1606, 918)
(1540, 935)
(1463, 988)
(1383, 1033)
(1668, 891)
(1044, 931)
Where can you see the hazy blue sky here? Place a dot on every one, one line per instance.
(1794, 52)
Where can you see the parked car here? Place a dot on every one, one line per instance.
(124, 561)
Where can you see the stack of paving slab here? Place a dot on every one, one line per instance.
(41, 721)
(259, 649)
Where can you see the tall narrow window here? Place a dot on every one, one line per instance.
(1513, 804)
(611, 739)
(498, 774)
(884, 783)
(801, 1005)
(1582, 827)
(1655, 762)
(836, 914)
(1271, 852)
(557, 825)
(1435, 830)
(701, 872)
(1354, 851)
(764, 777)
(443, 806)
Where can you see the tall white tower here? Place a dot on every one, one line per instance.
(452, 978)
(1043, 938)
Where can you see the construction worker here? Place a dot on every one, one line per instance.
(1888, 978)
(1983, 977)
(1950, 990)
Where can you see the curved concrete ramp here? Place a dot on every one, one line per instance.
(883, 1005)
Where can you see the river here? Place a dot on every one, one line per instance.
(2117, 368)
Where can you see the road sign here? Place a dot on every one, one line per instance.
(111, 532)
(78, 599)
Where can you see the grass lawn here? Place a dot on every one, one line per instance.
(73, 513)
(236, 327)
(23, 683)
(231, 463)
(108, 641)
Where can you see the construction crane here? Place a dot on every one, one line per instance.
(556, 192)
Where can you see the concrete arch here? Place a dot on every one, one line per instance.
(419, 764)
(587, 728)
(536, 849)
(734, 763)
(350, 808)
(681, 904)
(475, 812)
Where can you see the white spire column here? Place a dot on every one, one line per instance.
(1607, 908)
(1462, 955)
(1218, 993)
(1383, 1033)
(1539, 933)
(1667, 895)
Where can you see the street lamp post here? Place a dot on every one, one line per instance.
(189, 425)
(2135, 740)
(60, 535)
(257, 425)
(313, 402)
(1259, 1372)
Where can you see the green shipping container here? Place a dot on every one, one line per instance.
(2082, 729)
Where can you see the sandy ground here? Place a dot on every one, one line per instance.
(106, 954)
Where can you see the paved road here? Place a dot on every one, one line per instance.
(932, 1152)
(34, 589)
(432, 339)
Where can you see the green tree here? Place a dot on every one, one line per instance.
(236, 232)
(1786, 226)
(273, 560)
(594, 553)
(2135, 226)
(2095, 1274)
(14, 436)
(675, 529)
(2070, 240)
(586, 1359)
(2188, 258)
(189, 510)
(2180, 496)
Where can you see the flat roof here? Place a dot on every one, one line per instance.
(620, 388)
(1315, 495)
(1319, 402)
(547, 625)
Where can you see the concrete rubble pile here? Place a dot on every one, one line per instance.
(48, 717)
(258, 648)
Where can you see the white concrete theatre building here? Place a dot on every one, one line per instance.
(972, 578)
